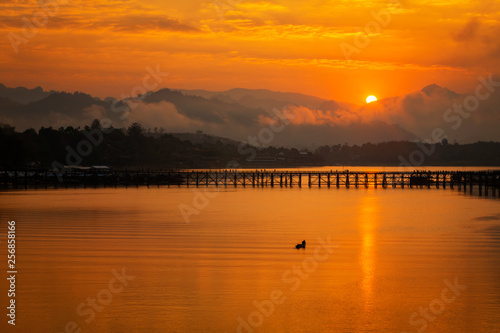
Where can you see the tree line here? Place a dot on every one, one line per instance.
(136, 147)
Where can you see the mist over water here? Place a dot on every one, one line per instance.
(125, 260)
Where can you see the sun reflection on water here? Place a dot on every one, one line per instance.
(368, 223)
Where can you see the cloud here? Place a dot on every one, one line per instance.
(418, 113)
(477, 44)
(94, 112)
(424, 111)
(352, 64)
(141, 23)
(301, 115)
(409, 116)
(166, 115)
(469, 31)
(119, 16)
(162, 114)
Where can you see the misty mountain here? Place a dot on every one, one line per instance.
(63, 103)
(260, 98)
(206, 110)
(7, 104)
(237, 94)
(23, 95)
(436, 108)
(250, 115)
(200, 137)
(434, 89)
(57, 109)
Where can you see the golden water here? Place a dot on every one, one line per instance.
(231, 265)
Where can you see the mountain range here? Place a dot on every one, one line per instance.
(250, 115)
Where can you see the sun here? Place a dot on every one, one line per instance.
(370, 99)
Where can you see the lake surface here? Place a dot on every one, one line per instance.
(223, 260)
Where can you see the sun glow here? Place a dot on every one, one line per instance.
(370, 99)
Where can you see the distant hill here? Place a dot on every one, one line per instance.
(23, 95)
(64, 103)
(250, 115)
(434, 89)
(6, 103)
(200, 137)
(208, 110)
(259, 98)
(56, 109)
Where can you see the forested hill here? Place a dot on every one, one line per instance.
(136, 147)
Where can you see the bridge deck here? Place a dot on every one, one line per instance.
(487, 180)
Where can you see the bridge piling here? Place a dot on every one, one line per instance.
(486, 185)
(471, 179)
(487, 182)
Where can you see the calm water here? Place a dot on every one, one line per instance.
(374, 259)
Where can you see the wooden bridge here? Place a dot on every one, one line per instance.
(483, 180)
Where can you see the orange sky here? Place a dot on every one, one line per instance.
(104, 47)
